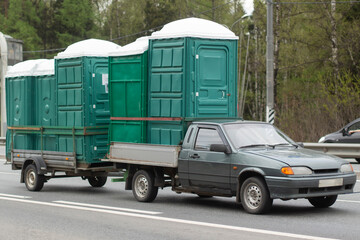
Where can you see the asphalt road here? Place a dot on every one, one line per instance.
(71, 209)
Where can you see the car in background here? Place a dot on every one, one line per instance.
(350, 133)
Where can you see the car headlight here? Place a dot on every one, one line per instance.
(296, 171)
(346, 168)
(322, 139)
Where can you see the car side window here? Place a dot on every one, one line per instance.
(354, 127)
(206, 137)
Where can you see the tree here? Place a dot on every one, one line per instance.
(75, 20)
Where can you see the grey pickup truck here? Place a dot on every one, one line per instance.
(252, 161)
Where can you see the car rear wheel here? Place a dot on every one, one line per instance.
(143, 186)
(255, 196)
(357, 159)
(323, 202)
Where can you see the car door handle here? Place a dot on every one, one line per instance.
(194, 156)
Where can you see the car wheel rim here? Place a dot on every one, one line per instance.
(31, 178)
(253, 196)
(141, 186)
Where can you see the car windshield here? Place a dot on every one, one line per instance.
(243, 135)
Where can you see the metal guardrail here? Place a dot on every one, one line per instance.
(344, 150)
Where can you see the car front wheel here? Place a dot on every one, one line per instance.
(255, 196)
(323, 202)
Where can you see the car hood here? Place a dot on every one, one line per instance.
(301, 157)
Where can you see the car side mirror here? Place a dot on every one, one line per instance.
(345, 132)
(300, 144)
(219, 148)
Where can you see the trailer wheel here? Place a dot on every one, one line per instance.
(33, 180)
(97, 181)
(143, 186)
(255, 197)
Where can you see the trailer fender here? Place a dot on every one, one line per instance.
(39, 163)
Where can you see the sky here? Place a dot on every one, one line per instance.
(248, 6)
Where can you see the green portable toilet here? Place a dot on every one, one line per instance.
(20, 93)
(45, 102)
(192, 75)
(128, 92)
(81, 73)
(20, 102)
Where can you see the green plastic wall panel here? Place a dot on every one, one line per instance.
(128, 97)
(70, 84)
(46, 113)
(48, 143)
(167, 71)
(166, 133)
(21, 141)
(128, 85)
(45, 100)
(89, 149)
(20, 101)
(128, 131)
(82, 98)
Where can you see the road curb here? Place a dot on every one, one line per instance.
(357, 175)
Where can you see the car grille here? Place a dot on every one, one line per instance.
(326, 171)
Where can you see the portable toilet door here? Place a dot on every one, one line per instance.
(215, 78)
(45, 106)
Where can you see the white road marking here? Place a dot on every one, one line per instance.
(348, 201)
(107, 207)
(166, 219)
(9, 173)
(14, 196)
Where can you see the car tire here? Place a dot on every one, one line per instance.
(97, 181)
(255, 196)
(143, 186)
(357, 159)
(33, 180)
(323, 202)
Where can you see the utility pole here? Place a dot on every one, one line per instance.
(3, 69)
(270, 111)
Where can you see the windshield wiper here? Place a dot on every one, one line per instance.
(254, 145)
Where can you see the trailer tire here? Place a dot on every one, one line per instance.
(33, 180)
(97, 181)
(143, 186)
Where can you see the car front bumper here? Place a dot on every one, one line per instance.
(306, 187)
